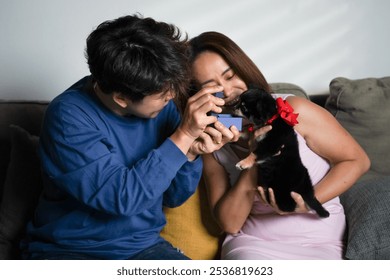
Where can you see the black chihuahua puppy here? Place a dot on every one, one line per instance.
(276, 152)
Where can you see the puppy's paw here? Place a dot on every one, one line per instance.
(247, 162)
(279, 152)
(244, 135)
(241, 166)
(260, 137)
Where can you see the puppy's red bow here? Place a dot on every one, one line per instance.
(285, 111)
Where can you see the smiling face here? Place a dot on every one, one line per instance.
(210, 69)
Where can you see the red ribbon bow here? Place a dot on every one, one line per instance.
(285, 111)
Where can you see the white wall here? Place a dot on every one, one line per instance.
(307, 42)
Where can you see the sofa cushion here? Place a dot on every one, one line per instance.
(363, 108)
(26, 114)
(21, 190)
(367, 209)
(191, 228)
(288, 88)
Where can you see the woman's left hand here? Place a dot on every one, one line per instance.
(301, 206)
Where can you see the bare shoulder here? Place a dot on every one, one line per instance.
(311, 116)
(321, 131)
(301, 104)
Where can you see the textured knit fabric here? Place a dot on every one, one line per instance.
(106, 178)
(367, 209)
(267, 235)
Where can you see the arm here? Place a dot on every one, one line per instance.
(184, 183)
(112, 176)
(209, 138)
(326, 137)
(230, 204)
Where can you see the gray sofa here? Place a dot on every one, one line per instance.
(362, 107)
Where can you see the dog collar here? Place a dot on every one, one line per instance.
(251, 127)
(285, 111)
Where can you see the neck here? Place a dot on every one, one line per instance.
(107, 100)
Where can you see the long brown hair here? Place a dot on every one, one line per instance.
(234, 56)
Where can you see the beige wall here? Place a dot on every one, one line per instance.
(307, 42)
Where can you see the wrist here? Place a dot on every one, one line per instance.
(191, 155)
(183, 141)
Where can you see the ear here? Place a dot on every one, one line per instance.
(120, 99)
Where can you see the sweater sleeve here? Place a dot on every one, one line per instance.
(78, 159)
(184, 184)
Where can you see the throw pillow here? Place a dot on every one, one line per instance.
(367, 208)
(191, 228)
(363, 108)
(21, 190)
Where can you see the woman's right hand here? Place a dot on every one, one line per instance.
(301, 206)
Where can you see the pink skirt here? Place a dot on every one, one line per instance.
(269, 236)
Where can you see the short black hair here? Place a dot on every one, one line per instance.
(138, 57)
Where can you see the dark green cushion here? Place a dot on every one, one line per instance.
(367, 207)
(363, 108)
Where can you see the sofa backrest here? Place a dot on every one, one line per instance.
(29, 115)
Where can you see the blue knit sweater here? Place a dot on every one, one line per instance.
(106, 178)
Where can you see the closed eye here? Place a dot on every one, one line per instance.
(230, 77)
(228, 74)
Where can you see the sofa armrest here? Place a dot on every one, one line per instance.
(26, 114)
